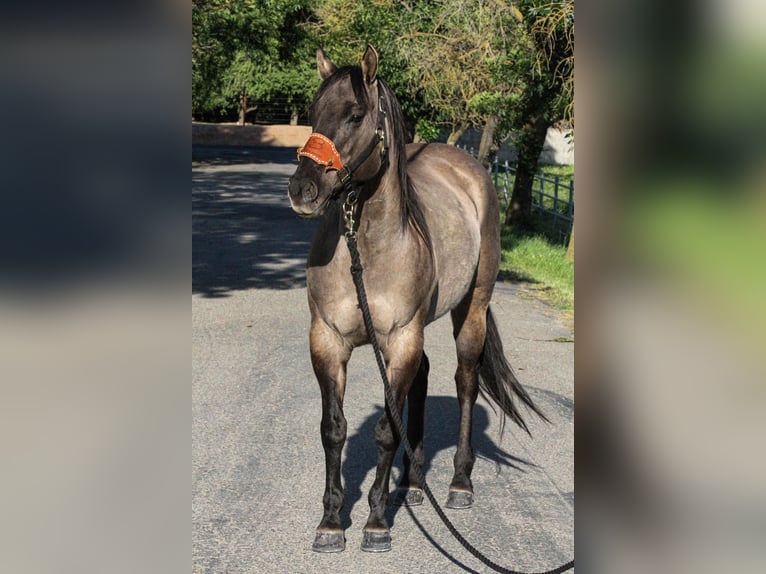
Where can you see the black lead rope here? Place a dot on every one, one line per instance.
(393, 410)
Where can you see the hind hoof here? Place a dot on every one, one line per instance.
(409, 497)
(332, 541)
(459, 499)
(376, 541)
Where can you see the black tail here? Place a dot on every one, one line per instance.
(498, 382)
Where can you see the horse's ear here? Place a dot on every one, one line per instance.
(325, 67)
(370, 64)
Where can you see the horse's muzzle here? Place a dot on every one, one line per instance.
(309, 192)
(304, 195)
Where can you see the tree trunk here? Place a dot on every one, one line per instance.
(455, 135)
(531, 141)
(242, 110)
(486, 153)
(294, 116)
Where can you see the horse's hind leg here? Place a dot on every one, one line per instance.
(329, 359)
(403, 358)
(410, 486)
(469, 328)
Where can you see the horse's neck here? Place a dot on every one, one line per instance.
(382, 208)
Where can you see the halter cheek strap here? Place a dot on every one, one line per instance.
(322, 150)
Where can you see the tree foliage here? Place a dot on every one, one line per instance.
(551, 25)
(252, 48)
(451, 55)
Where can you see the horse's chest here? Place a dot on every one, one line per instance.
(342, 314)
(338, 307)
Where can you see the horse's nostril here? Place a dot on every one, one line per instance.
(309, 192)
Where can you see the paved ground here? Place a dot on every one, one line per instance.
(257, 474)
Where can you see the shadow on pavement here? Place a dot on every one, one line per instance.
(441, 426)
(231, 155)
(244, 234)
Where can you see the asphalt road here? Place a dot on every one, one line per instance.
(258, 467)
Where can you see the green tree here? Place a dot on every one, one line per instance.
(452, 50)
(547, 97)
(438, 54)
(245, 50)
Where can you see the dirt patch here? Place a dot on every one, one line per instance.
(249, 135)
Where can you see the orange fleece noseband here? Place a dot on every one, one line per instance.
(321, 149)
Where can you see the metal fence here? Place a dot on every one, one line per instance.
(552, 198)
(278, 111)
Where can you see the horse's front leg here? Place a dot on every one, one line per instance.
(403, 357)
(329, 357)
(410, 486)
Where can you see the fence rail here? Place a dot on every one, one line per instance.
(552, 198)
(279, 111)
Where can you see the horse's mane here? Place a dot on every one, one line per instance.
(411, 212)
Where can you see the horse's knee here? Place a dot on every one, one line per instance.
(385, 437)
(333, 430)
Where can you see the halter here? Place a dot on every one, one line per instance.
(321, 149)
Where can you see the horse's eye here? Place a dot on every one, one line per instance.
(356, 118)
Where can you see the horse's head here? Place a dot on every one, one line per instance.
(348, 125)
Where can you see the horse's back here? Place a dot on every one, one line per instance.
(438, 168)
(460, 206)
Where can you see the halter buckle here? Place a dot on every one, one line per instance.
(344, 176)
(349, 206)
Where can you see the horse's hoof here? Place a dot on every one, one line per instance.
(329, 541)
(409, 497)
(376, 541)
(459, 499)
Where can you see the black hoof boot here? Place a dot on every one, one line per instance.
(329, 541)
(376, 541)
(408, 497)
(459, 499)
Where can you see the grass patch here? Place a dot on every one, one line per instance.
(539, 257)
(536, 260)
(563, 171)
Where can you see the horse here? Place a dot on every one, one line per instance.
(427, 227)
